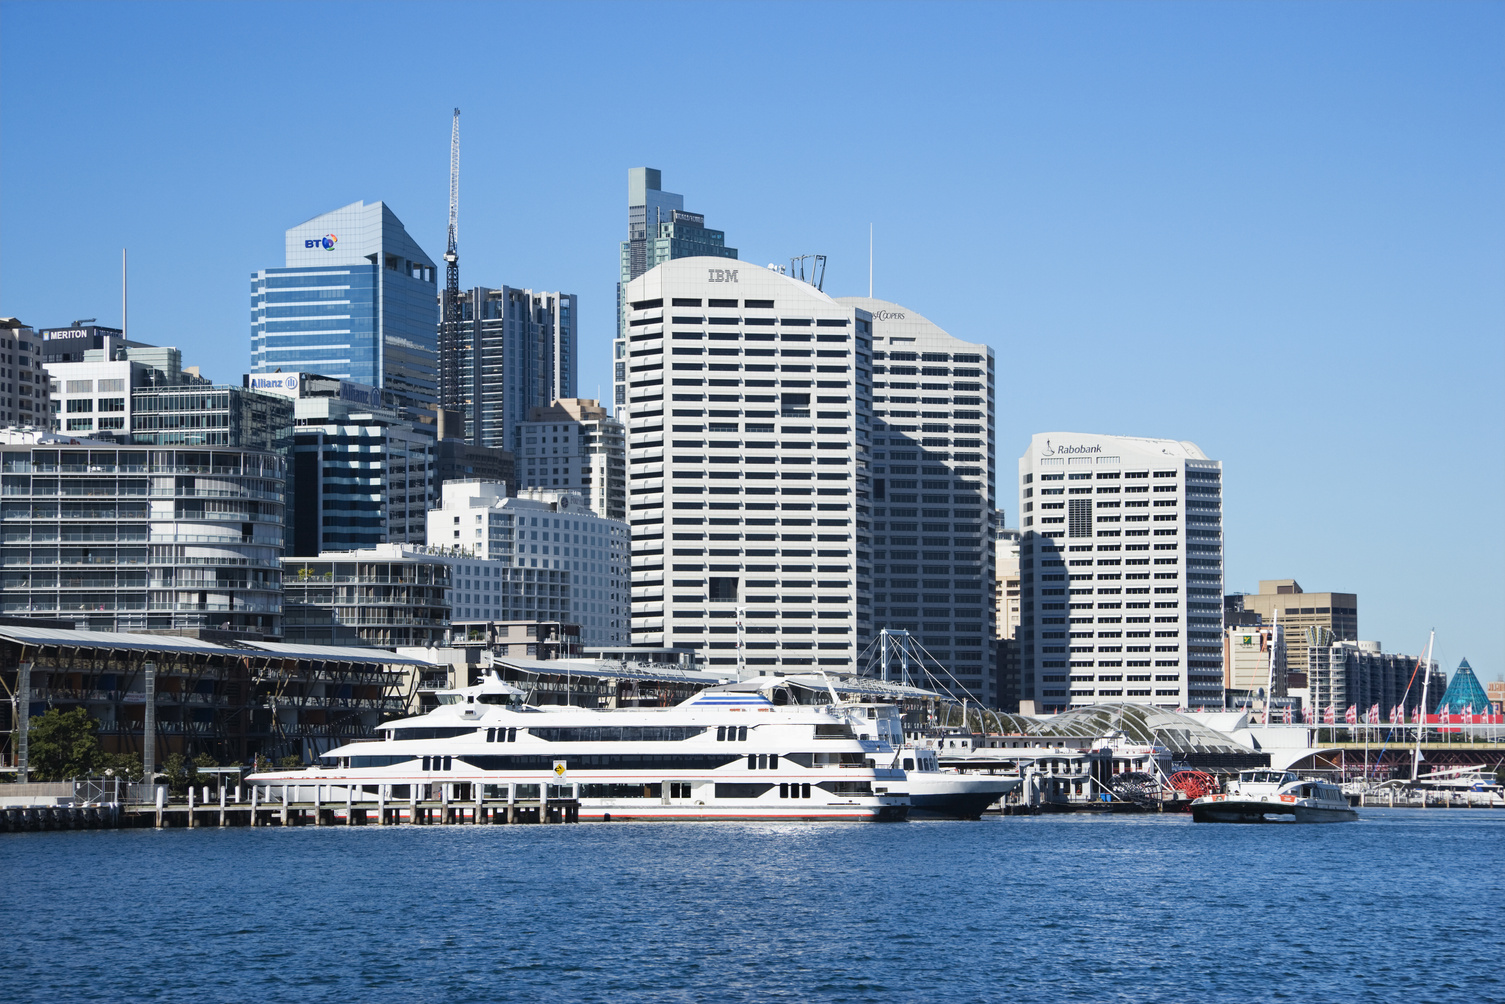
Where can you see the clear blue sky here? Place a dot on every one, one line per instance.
(1277, 230)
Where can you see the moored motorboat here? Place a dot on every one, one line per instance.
(1273, 796)
(949, 794)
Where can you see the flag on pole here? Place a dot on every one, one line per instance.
(1398, 715)
(1330, 716)
(1443, 716)
(1468, 714)
(1351, 716)
(1373, 718)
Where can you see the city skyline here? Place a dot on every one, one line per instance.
(1310, 260)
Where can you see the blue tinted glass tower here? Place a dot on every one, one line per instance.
(357, 299)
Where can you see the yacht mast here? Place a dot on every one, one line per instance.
(1270, 683)
(1421, 725)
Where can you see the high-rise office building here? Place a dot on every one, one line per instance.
(361, 474)
(750, 432)
(658, 230)
(515, 349)
(25, 391)
(355, 300)
(933, 491)
(1338, 613)
(574, 445)
(1121, 572)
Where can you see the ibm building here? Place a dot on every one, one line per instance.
(750, 427)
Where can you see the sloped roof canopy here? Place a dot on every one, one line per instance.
(1140, 722)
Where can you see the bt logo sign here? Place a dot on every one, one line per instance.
(326, 242)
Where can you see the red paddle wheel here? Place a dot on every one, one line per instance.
(1194, 783)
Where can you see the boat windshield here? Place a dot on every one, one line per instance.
(1265, 777)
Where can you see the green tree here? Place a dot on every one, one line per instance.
(183, 773)
(126, 765)
(64, 744)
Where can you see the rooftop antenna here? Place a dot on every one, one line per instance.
(869, 261)
(449, 349)
(125, 330)
(817, 275)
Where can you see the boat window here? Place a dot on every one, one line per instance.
(804, 791)
(621, 733)
(773, 761)
(908, 763)
(784, 790)
(448, 762)
(721, 733)
(752, 761)
(512, 735)
(437, 732)
(496, 698)
(742, 733)
(379, 761)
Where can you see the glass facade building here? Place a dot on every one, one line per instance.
(515, 351)
(658, 230)
(357, 300)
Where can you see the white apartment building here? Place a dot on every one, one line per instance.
(1121, 572)
(933, 491)
(749, 412)
(542, 555)
(575, 445)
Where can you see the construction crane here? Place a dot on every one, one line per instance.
(449, 347)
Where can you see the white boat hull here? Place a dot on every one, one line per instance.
(1252, 810)
(939, 795)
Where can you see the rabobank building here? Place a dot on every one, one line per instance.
(1121, 572)
(356, 300)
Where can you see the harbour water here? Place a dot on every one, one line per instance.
(1402, 905)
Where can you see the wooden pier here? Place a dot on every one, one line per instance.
(230, 809)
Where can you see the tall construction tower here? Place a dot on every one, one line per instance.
(450, 393)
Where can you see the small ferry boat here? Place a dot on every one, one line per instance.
(1274, 796)
(747, 750)
(935, 791)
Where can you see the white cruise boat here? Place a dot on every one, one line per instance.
(739, 751)
(1273, 796)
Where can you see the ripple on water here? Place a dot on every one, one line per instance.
(1022, 909)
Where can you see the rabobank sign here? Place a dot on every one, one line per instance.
(1066, 451)
(327, 242)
